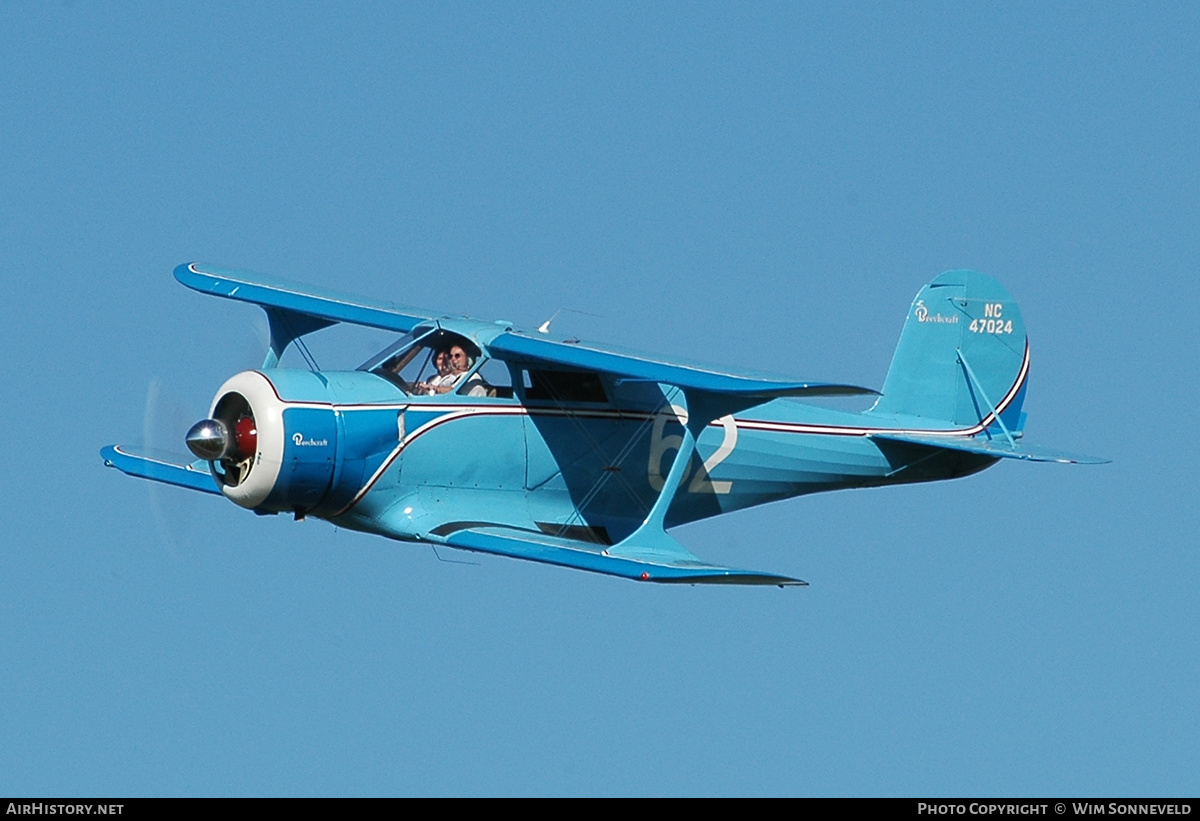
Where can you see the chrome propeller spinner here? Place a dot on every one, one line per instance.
(211, 440)
(231, 447)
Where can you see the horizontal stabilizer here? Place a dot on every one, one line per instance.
(651, 564)
(164, 468)
(303, 299)
(992, 447)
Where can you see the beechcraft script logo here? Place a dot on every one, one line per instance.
(300, 441)
(923, 315)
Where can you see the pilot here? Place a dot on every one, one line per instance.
(445, 379)
(460, 363)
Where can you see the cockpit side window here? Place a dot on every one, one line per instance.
(490, 377)
(564, 386)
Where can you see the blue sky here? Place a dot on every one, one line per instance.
(762, 184)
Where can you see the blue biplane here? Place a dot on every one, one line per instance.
(486, 437)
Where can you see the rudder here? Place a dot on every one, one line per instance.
(962, 353)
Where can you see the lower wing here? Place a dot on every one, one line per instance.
(164, 468)
(665, 561)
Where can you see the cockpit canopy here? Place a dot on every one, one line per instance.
(412, 364)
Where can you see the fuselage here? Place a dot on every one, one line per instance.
(365, 454)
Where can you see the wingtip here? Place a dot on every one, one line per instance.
(732, 577)
(186, 274)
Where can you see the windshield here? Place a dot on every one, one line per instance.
(397, 348)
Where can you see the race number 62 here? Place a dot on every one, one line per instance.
(661, 444)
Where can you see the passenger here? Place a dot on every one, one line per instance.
(460, 363)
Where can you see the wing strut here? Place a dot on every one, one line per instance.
(287, 327)
(654, 523)
(650, 543)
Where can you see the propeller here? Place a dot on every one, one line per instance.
(174, 512)
(173, 400)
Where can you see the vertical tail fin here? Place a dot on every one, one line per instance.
(962, 358)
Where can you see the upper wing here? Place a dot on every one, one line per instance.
(521, 348)
(294, 310)
(300, 299)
